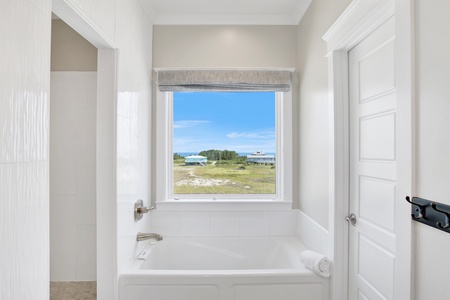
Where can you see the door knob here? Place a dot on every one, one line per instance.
(352, 219)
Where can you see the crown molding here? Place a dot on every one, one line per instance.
(165, 17)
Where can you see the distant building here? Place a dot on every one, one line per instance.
(195, 160)
(259, 157)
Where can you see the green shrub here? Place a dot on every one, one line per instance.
(177, 156)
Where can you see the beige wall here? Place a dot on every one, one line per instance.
(224, 46)
(433, 143)
(70, 51)
(313, 108)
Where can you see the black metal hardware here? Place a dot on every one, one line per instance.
(447, 221)
(420, 210)
(431, 213)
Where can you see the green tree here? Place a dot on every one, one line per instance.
(177, 156)
(214, 154)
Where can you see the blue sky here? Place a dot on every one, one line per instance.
(243, 122)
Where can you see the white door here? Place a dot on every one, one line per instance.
(373, 107)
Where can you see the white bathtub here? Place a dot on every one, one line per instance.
(222, 269)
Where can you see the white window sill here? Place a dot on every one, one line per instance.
(223, 205)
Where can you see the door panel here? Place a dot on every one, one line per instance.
(377, 140)
(376, 265)
(377, 78)
(377, 202)
(373, 175)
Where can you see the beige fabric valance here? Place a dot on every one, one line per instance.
(224, 80)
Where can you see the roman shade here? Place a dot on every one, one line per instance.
(224, 80)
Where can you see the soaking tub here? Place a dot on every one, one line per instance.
(222, 269)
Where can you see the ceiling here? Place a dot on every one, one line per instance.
(233, 12)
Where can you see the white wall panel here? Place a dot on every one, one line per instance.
(311, 111)
(102, 14)
(291, 291)
(433, 144)
(24, 205)
(24, 108)
(133, 36)
(24, 84)
(24, 116)
(106, 175)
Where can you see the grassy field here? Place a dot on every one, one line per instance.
(225, 178)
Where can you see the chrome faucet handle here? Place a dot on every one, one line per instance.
(140, 209)
(144, 209)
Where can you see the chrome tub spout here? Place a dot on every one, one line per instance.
(148, 236)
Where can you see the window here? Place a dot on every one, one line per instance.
(222, 145)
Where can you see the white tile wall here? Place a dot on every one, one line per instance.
(63, 225)
(312, 234)
(166, 223)
(24, 169)
(63, 266)
(242, 224)
(195, 224)
(73, 175)
(254, 223)
(86, 251)
(283, 223)
(24, 109)
(63, 166)
(225, 223)
(133, 37)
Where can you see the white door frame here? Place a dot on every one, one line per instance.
(107, 283)
(360, 19)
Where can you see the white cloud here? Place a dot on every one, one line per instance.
(253, 148)
(196, 145)
(188, 123)
(252, 135)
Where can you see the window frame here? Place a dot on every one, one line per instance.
(163, 160)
